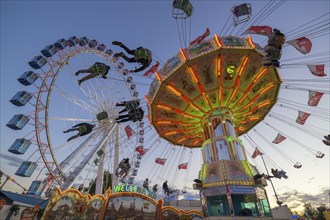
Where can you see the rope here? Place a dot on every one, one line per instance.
(282, 119)
(189, 166)
(294, 140)
(253, 143)
(287, 157)
(174, 177)
(224, 25)
(267, 5)
(303, 106)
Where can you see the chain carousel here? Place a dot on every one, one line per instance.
(206, 97)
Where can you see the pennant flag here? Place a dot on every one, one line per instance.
(200, 38)
(302, 117)
(303, 44)
(152, 70)
(141, 150)
(279, 138)
(314, 98)
(261, 30)
(183, 166)
(160, 161)
(317, 70)
(256, 153)
(129, 131)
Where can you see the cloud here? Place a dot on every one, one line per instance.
(13, 161)
(13, 164)
(296, 198)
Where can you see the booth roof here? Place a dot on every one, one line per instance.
(25, 199)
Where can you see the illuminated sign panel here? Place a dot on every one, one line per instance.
(132, 188)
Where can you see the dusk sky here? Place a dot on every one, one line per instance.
(28, 26)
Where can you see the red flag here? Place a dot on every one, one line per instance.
(141, 150)
(183, 166)
(317, 70)
(160, 161)
(261, 30)
(256, 153)
(314, 98)
(302, 117)
(303, 44)
(279, 138)
(129, 131)
(200, 38)
(152, 70)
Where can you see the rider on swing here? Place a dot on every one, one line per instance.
(124, 167)
(97, 69)
(141, 55)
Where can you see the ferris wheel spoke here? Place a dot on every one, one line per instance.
(77, 170)
(74, 99)
(95, 91)
(71, 119)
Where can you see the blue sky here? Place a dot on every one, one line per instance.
(28, 26)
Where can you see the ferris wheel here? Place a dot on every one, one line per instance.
(60, 101)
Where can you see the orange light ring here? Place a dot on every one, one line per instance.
(241, 69)
(251, 42)
(181, 139)
(146, 98)
(186, 115)
(183, 55)
(207, 100)
(195, 142)
(197, 108)
(193, 74)
(243, 66)
(253, 118)
(164, 122)
(172, 89)
(192, 129)
(242, 115)
(219, 66)
(217, 39)
(263, 104)
(170, 133)
(164, 107)
(262, 71)
(266, 89)
(158, 76)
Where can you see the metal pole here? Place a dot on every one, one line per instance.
(277, 200)
(4, 183)
(100, 172)
(77, 170)
(115, 157)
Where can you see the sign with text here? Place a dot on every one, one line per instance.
(241, 190)
(132, 188)
(215, 191)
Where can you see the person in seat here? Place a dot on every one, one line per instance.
(166, 189)
(274, 48)
(96, 70)
(141, 55)
(82, 128)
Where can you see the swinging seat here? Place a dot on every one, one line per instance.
(241, 13)
(142, 54)
(182, 9)
(319, 154)
(297, 165)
